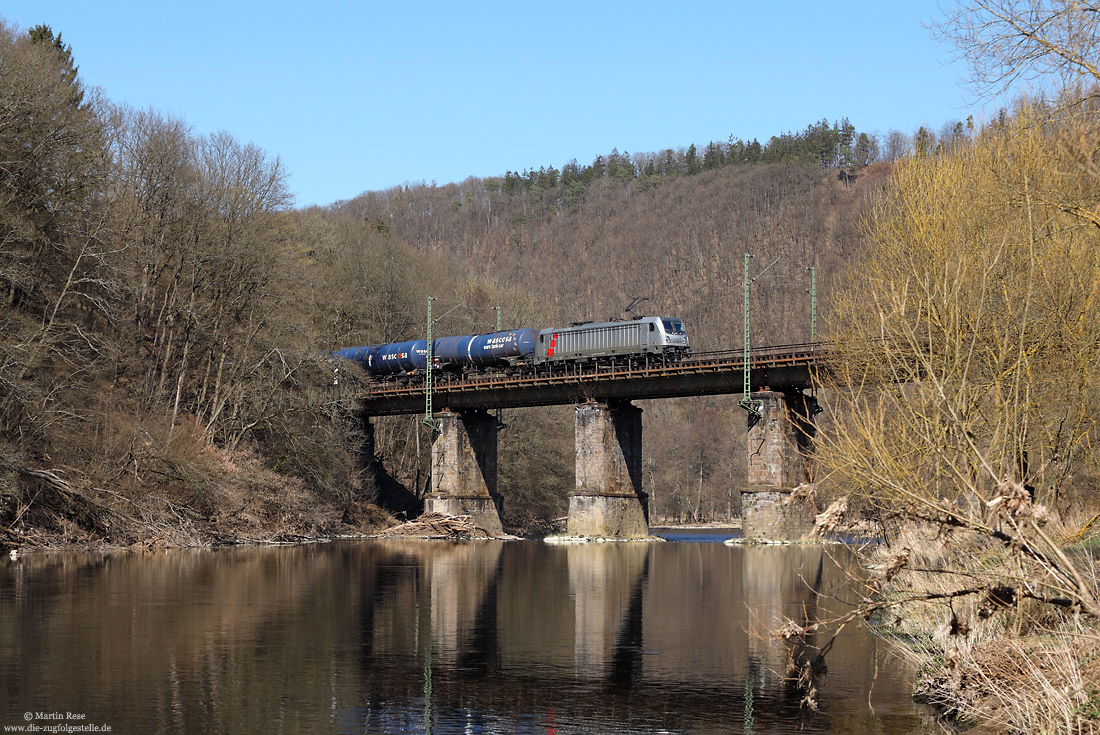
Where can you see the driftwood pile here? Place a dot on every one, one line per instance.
(437, 525)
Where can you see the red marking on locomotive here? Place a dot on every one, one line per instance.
(553, 345)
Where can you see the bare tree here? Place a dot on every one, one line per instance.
(966, 393)
(1051, 43)
(897, 146)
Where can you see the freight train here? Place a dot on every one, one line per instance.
(626, 341)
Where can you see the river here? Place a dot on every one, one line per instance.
(413, 636)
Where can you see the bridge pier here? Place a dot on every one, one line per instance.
(464, 469)
(778, 445)
(608, 499)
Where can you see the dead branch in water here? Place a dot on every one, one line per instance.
(438, 525)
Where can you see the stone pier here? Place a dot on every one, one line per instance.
(777, 451)
(608, 500)
(464, 469)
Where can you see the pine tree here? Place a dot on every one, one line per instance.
(713, 157)
(691, 161)
(845, 134)
(864, 151)
(43, 34)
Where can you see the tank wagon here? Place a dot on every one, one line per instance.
(497, 349)
(476, 351)
(391, 359)
(586, 342)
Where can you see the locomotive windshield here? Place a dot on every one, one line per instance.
(673, 326)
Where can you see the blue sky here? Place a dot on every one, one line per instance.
(357, 96)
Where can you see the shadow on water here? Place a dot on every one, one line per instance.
(412, 637)
(708, 535)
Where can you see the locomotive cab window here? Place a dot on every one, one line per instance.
(652, 327)
(673, 326)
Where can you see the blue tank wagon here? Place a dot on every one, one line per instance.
(471, 351)
(495, 349)
(391, 359)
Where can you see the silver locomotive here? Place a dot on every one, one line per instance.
(638, 338)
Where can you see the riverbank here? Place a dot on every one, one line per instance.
(988, 656)
(733, 524)
(217, 498)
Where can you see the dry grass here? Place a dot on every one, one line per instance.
(141, 482)
(1039, 684)
(1011, 662)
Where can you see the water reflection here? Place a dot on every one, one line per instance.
(412, 637)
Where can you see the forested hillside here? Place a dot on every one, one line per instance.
(163, 376)
(159, 379)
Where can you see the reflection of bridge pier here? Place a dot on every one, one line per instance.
(451, 587)
(463, 585)
(778, 584)
(606, 582)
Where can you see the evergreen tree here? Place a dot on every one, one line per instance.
(570, 172)
(844, 134)
(864, 152)
(735, 151)
(924, 142)
(713, 156)
(513, 183)
(691, 161)
(669, 166)
(822, 139)
(754, 151)
(596, 170)
(43, 35)
(619, 166)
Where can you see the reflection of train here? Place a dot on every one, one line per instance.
(635, 340)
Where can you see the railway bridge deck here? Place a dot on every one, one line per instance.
(786, 367)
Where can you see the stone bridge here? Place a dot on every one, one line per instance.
(608, 499)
